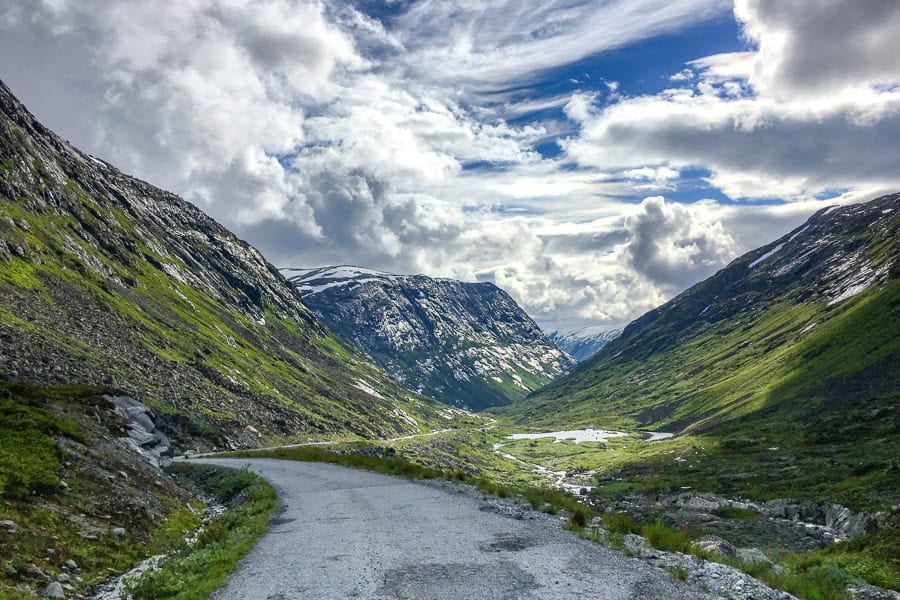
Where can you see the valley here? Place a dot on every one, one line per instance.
(742, 435)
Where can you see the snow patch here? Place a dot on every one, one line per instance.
(766, 255)
(362, 385)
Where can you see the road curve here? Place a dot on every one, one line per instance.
(346, 533)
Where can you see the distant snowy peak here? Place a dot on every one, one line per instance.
(581, 343)
(467, 344)
(315, 280)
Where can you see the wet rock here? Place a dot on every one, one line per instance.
(143, 436)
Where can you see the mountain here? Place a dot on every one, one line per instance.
(107, 280)
(805, 326)
(466, 344)
(581, 343)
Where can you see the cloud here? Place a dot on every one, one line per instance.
(828, 46)
(493, 43)
(674, 245)
(754, 147)
(789, 120)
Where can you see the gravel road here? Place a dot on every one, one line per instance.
(346, 533)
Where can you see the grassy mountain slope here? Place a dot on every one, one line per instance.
(806, 324)
(106, 280)
(781, 375)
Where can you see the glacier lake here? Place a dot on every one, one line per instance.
(586, 435)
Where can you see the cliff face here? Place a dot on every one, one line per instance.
(466, 344)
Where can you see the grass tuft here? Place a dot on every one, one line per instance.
(666, 538)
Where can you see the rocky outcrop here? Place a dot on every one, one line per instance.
(723, 580)
(839, 520)
(795, 525)
(143, 435)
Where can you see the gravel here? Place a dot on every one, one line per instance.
(346, 533)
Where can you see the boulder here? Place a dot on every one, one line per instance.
(635, 545)
(53, 590)
(8, 526)
(34, 572)
(752, 555)
(716, 545)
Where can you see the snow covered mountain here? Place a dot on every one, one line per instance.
(581, 343)
(466, 344)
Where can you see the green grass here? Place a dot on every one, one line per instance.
(194, 572)
(785, 356)
(666, 538)
(621, 523)
(874, 557)
(29, 454)
(46, 432)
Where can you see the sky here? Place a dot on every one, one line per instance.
(591, 157)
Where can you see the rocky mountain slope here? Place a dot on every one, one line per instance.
(806, 324)
(466, 344)
(107, 280)
(581, 343)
